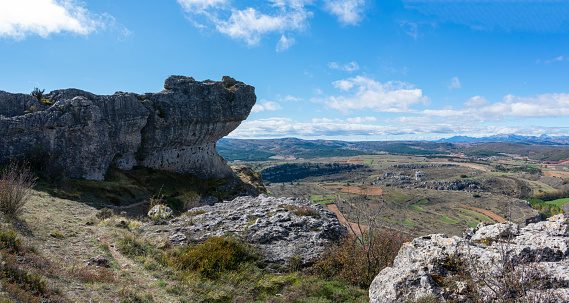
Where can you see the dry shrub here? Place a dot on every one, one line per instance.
(16, 185)
(355, 264)
(212, 257)
(88, 274)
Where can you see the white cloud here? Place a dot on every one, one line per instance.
(348, 12)
(249, 24)
(361, 93)
(290, 98)
(454, 83)
(284, 43)
(361, 119)
(200, 6)
(349, 67)
(21, 18)
(556, 59)
(265, 105)
(476, 101)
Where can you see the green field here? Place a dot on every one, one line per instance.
(479, 216)
(558, 202)
(448, 220)
(368, 161)
(415, 207)
(320, 199)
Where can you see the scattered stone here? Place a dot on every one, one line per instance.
(99, 261)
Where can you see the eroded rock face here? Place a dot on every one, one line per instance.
(435, 266)
(276, 226)
(82, 134)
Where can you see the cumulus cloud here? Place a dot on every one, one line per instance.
(401, 126)
(265, 105)
(362, 93)
(21, 18)
(348, 12)
(476, 101)
(361, 119)
(454, 83)
(200, 6)
(251, 22)
(349, 67)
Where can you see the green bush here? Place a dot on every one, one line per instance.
(214, 256)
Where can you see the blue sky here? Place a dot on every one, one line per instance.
(322, 69)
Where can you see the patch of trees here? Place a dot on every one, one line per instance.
(321, 153)
(244, 155)
(552, 155)
(407, 150)
(296, 171)
(545, 210)
(552, 195)
(517, 169)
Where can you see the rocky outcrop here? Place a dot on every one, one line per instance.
(281, 228)
(492, 262)
(82, 134)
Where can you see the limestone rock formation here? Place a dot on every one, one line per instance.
(281, 228)
(492, 262)
(82, 134)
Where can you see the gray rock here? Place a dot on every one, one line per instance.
(268, 223)
(82, 134)
(160, 212)
(484, 253)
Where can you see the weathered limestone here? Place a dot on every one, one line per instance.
(276, 226)
(82, 134)
(427, 266)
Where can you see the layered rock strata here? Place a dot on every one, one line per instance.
(82, 134)
(281, 228)
(500, 262)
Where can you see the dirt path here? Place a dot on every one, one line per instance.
(471, 165)
(355, 229)
(140, 278)
(370, 191)
(488, 213)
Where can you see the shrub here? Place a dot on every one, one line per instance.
(348, 261)
(16, 184)
(214, 256)
(38, 93)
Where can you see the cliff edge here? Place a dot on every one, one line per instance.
(83, 134)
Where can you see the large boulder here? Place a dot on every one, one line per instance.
(81, 134)
(491, 262)
(283, 229)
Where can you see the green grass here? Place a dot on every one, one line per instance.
(415, 207)
(316, 198)
(558, 202)
(368, 161)
(500, 173)
(446, 219)
(395, 197)
(473, 223)
(478, 215)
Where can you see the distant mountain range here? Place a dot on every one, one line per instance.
(543, 139)
(539, 148)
